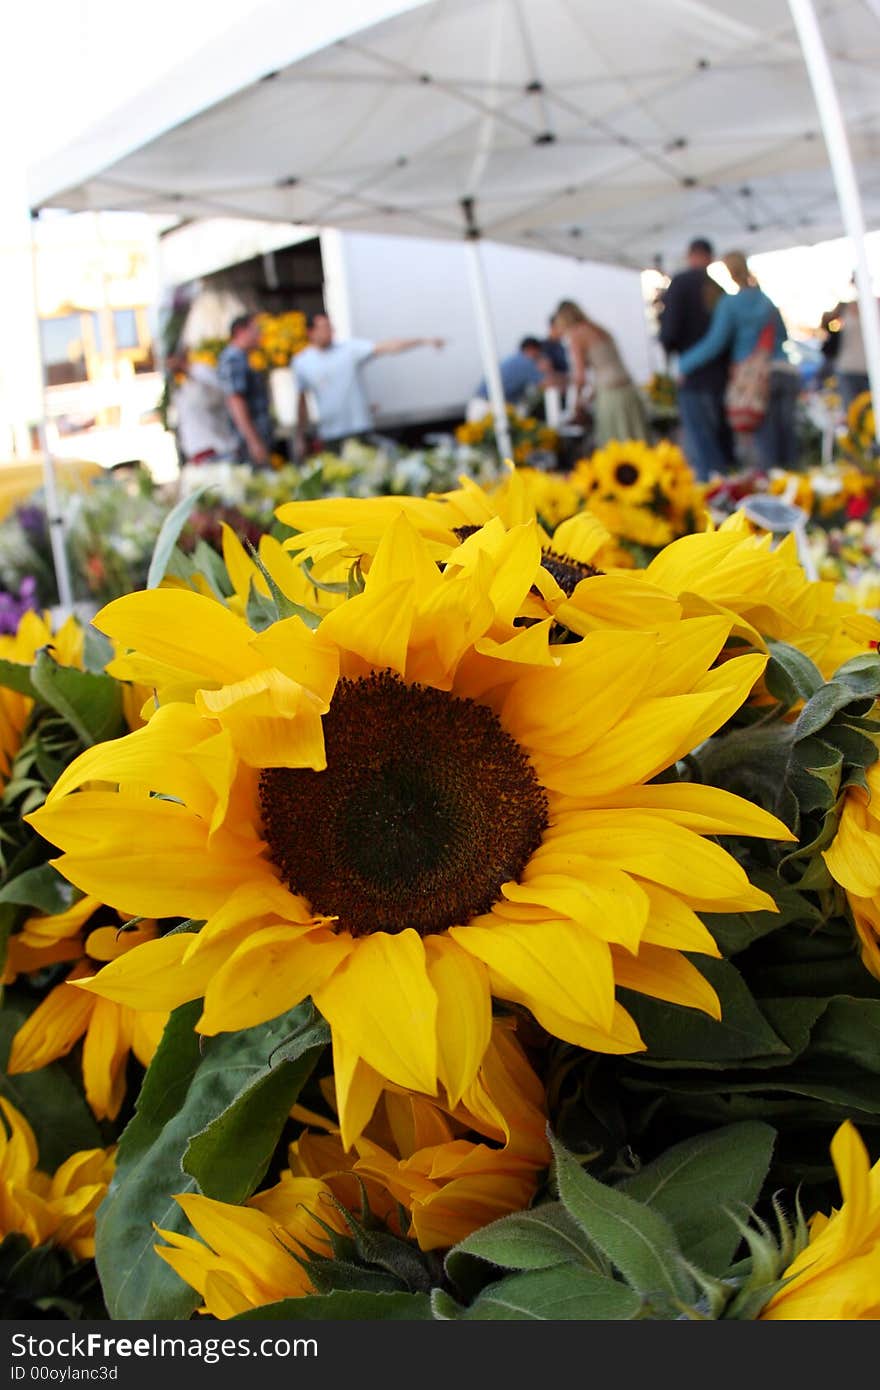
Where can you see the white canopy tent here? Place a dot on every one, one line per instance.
(610, 132)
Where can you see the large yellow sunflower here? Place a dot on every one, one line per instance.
(853, 860)
(836, 1277)
(60, 1208)
(110, 1031)
(416, 806)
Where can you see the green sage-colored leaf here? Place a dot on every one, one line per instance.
(91, 704)
(343, 1306)
(861, 673)
(675, 1035)
(15, 675)
(697, 1183)
(637, 1240)
(97, 650)
(229, 1156)
(790, 676)
(564, 1293)
(186, 1090)
(168, 535)
(537, 1239)
(849, 1029)
(41, 887)
(821, 708)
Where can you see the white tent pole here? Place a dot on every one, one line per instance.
(486, 331)
(54, 518)
(840, 156)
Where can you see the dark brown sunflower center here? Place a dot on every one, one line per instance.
(426, 807)
(567, 572)
(626, 474)
(463, 533)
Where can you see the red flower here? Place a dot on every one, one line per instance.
(857, 508)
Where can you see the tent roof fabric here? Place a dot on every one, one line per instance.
(614, 132)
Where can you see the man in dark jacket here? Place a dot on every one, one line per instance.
(687, 312)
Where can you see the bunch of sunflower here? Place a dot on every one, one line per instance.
(528, 435)
(645, 496)
(662, 393)
(430, 833)
(282, 336)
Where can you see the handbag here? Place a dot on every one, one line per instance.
(748, 385)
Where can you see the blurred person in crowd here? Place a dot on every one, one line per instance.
(831, 324)
(737, 324)
(204, 429)
(617, 408)
(851, 365)
(554, 350)
(331, 371)
(247, 392)
(687, 306)
(522, 374)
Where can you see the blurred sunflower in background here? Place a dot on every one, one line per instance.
(109, 1031)
(60, 1208)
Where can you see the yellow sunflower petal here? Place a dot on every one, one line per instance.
(464, 1013)
(150, 977)
(105, 1053)
(560, 964)
(666, 975)
(272, 720)
(271, 971)
(384, 1003)
(358, 1088)
(148, 858)
(183, 630)
(52, 1029)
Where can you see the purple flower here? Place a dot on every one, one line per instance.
(13, 609)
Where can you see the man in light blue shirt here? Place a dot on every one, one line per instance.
(331, 371)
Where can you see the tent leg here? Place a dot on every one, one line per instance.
(837, 143)
(55, 520)
(488, 345)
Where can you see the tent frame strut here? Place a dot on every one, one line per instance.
(843, 170)
(486, 329)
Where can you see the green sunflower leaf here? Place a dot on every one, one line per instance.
(41, 887)
(15, 675)
(97, 650)
(565, 1293)
(790, 676)
(226, 1093)
(538, 1239)
(90, 704)
(638, 1240)
(821, 708)
(231, 1154)
(169, 534)
(698, 1183)
(343, 1305)
(674, 1035)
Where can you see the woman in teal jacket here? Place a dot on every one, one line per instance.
(736, 326)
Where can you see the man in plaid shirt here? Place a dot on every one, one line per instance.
(246, 392)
